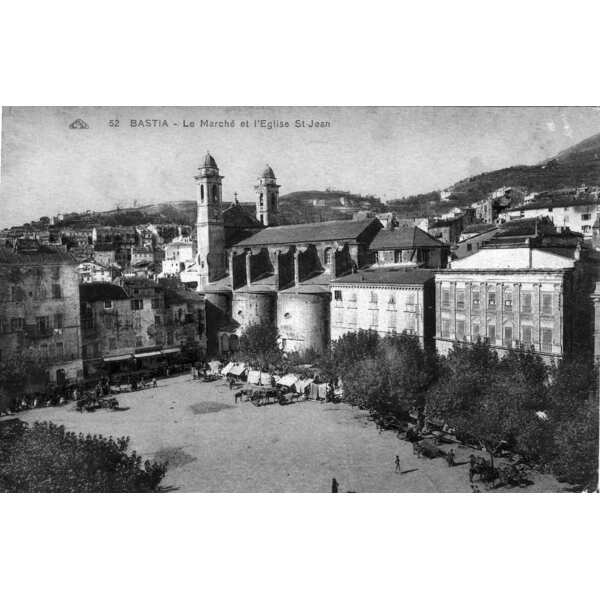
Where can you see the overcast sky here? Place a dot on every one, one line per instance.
(390, 152)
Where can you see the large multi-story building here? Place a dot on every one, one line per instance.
(139, 321)
(386, 300)
(39, 311)
(516, 292)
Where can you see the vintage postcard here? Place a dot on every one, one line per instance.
(295, 299)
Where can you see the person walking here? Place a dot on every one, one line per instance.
(334, 486)
(397, 463)
(154, 384)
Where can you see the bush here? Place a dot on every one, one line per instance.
(46, 458)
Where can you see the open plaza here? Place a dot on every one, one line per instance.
(213, 444)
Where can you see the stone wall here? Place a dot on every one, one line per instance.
(303, 321)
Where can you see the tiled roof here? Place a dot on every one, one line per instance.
(45, 255)
(92, 292)
(404, 237)
(478, 228)
(388, 276)
(309, 232)
(555, 203)
(179, 296)
(519, 227)
(237, 215)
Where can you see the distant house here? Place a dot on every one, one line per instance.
(178, 255)
(447, 230)
(91, 271)
(577, 215)
(473, 238)
(409, 247)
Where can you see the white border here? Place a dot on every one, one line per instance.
(310, 53)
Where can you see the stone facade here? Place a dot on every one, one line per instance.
(39, 311)
(387, 302)
(514, 297)
(140, 318)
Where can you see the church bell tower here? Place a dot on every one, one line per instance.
(209, 223)
(267, 198)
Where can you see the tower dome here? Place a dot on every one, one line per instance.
(209, 161)
(268, 173)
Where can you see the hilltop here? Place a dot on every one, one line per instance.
(295, 207)
(575, 166)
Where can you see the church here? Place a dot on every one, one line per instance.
(253, 270)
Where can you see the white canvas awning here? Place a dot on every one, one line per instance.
(238, 369)
(117, 358)
(171, 350)
(301, 384)
(226, 368)
(265, 378)
(288, 380)
(254, 377)
(148, 354)
(214, 365)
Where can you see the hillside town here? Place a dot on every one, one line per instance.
(96, 306)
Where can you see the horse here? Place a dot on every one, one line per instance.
(480, 466)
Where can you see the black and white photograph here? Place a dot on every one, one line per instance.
(300, 299)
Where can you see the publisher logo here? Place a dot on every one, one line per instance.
(79, 124)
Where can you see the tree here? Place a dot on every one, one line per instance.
(573, 412)
(45, 457)
(493, 401)
(259, 346)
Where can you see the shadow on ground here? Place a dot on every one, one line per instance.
(204, 408)
(176, 457)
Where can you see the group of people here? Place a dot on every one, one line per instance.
(49, 397)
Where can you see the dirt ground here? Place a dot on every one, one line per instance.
(215, 445)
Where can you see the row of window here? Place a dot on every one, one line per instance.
(526, 337)
(373, 298)
(43, 324)
(52, 351)
(18, 294)
(492, 298)
(374, 321)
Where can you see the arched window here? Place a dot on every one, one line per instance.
(273, 201)
(215, 192)
(328, 256)
(180, 315)
(373, 298)
(201, 192)
(260, 199)
(392, 299)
